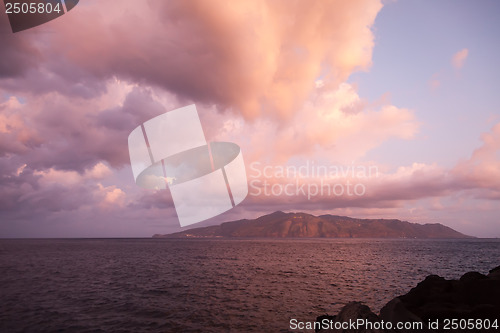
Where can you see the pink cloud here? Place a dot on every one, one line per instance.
(250, 57)
(477, 177)
(72, 93)
(482, 170)
(330, 123)
(458, 59)
(435, 81)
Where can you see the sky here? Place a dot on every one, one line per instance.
(383, 110)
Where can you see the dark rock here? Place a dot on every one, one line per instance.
(495, 273)
(395, 311)
(324, 317)
(351, 313)
(472, 276)
(473, 296)
(496, 269)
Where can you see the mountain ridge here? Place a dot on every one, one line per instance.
(302, 225)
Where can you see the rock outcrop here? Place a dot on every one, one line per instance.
(349, 315)
(472, 301)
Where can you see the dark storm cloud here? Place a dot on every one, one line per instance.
(17, 52)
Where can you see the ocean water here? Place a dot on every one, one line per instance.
(175, 285)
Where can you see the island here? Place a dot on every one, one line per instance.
(301, 225)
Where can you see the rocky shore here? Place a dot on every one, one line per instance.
(434, 305)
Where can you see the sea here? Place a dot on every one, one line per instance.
(214, 285)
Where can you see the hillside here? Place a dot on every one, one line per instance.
(301, 225)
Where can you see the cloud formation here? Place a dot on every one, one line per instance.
(458, 59)
(269, 75)
(330, 123)
(250, 57)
